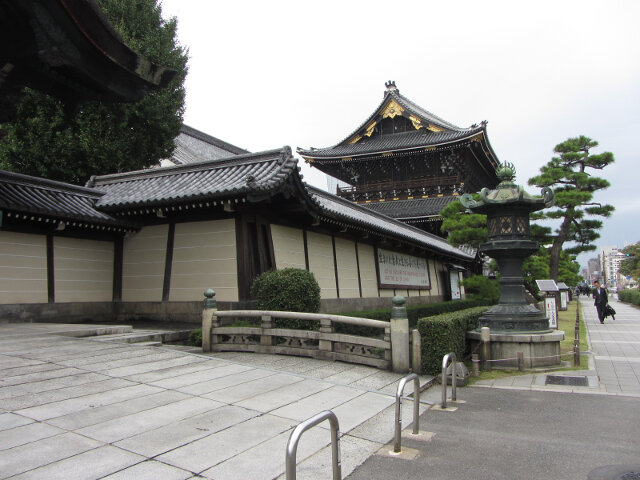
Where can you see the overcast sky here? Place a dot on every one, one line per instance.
(306, 74)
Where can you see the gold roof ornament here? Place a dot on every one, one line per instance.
(392, 110)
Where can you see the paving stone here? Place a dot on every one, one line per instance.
(39, 367)
(150, 470)
(85, 466)
(324, 400)
(74, 405)
(190, 379)
(34, 399)
(130, 425)
(203, 388)
(267, 460)
(93, 416)
(11, 420)
(356, 411)
(268, 401)
(51, 384)
(159, 364)
(209, 451)
(177, 434)
(176, 371)
(43, 452)
(39, 376)
(253, 388)
(27, 434)
(354, 451)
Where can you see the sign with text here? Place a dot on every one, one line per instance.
(398, 270)
(455, 285)
(551, 311)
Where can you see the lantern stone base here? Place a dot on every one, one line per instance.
(539, 349)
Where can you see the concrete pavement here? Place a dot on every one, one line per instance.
(521, 428)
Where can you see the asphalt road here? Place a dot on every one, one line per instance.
(510, 434)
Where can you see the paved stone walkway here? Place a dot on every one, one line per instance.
(76, 408)
(614, 356)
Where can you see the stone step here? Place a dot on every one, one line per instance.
(147, 344)
(141, 336)
(95, 331)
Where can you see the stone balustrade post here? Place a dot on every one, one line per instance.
(326, 327)
(266, 323)
(399, 336)
(416, 351)
(209, 319)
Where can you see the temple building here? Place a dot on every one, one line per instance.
(408, 163)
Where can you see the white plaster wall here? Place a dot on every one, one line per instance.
(83, 270)
(204, 256)
(143, 264)
(347, 268)
(320, 249)
(368, 275)
(288, 247)
(23, 268)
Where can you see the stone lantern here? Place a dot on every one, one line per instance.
(507, 208)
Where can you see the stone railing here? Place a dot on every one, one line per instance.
(324, 343)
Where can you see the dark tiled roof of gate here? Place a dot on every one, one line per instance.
(420, 138)
(407, 209)
(234, 176)
(63, 201)
(343, 210)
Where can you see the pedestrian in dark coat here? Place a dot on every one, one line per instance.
(601, 299)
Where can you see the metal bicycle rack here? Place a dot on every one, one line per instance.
(294, 438)
(397, 444)
(445, 362)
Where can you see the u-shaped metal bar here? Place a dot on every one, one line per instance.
(397, 444)
(445, 364)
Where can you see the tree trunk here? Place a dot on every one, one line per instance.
(556, 248)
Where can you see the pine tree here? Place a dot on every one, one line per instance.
(98, 137)
(574, 187)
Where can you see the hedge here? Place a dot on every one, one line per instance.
(446, 333)
(629, 296)
(414, 312)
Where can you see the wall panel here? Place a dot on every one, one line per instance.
(204, 256)
(288, 247)
(347, 268)
(368, 275)
(321, 264)
(83, 270)
(144, 256)
(23, 268)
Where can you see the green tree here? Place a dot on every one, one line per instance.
(47, 140)
(462, 227)
(574, 187)
(631, 264)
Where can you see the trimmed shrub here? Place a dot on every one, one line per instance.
(446, 333)
(414, 312)
(195, 338)
(482, 288)
(288, 290)
(629, 296)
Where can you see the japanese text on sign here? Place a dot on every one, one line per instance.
(400, 270)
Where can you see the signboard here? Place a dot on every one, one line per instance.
(398, 270)
(564, 299)
(455, 285)
(551, 311)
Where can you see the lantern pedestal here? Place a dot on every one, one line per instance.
(539, 349)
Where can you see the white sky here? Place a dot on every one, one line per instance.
(299, 73)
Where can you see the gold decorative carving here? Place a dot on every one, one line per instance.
(346, 159)
(387, 154)
(434, 128)
(416, 122)
(427, 149)
(356, 139)
(477, 138)
(370, 129)
(392, 109)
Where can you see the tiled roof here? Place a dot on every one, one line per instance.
(195, 146)
(408, 209)
(62, 201)
(339, 209)
(423, 137)
(235, 176)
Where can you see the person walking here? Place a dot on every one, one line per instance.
(601, 299)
